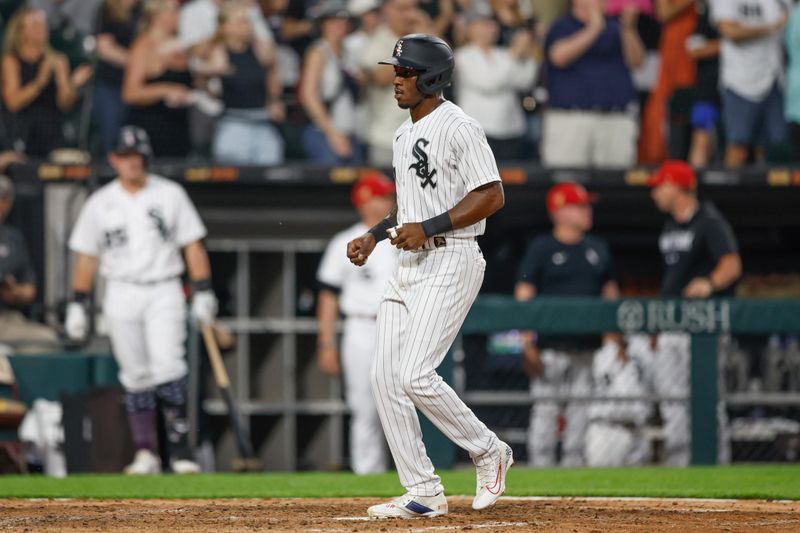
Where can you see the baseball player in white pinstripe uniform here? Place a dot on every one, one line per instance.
(447, 184)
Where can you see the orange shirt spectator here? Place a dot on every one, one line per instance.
(677, 70)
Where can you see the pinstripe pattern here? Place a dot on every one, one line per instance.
(438, 160)
(424, 306)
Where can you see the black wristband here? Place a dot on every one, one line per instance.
(201, 285)
(81, 297)
(438, 224)
(379, 230)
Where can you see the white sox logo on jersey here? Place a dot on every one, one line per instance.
(161, 225)
(421, 166)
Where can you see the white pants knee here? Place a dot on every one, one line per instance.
(147, 325)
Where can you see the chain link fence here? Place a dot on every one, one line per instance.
(631, 401)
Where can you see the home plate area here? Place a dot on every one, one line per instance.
(509, 515)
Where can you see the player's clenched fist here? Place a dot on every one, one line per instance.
(408, 236)
(358, 249)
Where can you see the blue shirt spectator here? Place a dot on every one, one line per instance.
(590, 122)
(602, 68)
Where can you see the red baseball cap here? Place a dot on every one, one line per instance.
(370, 185)
(565, 194)
(676, 172)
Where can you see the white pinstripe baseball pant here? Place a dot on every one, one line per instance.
(425, 304)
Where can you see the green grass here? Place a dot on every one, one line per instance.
(770, 482)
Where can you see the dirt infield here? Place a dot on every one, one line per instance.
(509, 515)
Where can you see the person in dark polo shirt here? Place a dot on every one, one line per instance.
(17, 286)
(701, 260)
(701, 256)
(567, 262)
(591, 120)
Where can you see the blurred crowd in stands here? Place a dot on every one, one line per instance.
(576, 83)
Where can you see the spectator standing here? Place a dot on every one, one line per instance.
(489, 80)
(357, 293)
(116, 29)
(328, 92)
(251, 92)
(368, 13)
(793, 82)
(18, 286)
(701, 260)
(704, 46)
(751, 74)
(596, 127)
(677, 70)
(567, 262)
(38, 86)
(157, 84)
(400, 17)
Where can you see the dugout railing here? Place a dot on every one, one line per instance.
(704, 320)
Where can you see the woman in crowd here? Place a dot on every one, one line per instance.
(489, 80)
(117, 22)
(38, 86)
(251, 92)
(327, 91)
(157, 84)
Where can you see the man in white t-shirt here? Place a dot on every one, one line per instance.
(751, 73)
(400, 18)
(356, 293)
(134, 230)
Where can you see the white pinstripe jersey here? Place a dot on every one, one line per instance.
(437, 161)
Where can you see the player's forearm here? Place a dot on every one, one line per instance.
(197, 263)
(727, 272)
(327, 313)
(379, 230)
(83, 275)
(478, 205)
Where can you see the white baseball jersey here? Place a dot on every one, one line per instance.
(138, 237)
(361, 287)
(437, 161)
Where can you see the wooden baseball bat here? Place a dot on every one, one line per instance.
(247, 460)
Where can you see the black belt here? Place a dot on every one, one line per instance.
(440, 242)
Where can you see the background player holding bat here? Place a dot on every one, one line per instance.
(447, 184)
(134, 230)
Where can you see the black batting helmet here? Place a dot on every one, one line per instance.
(430, 55)
(134, 140)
